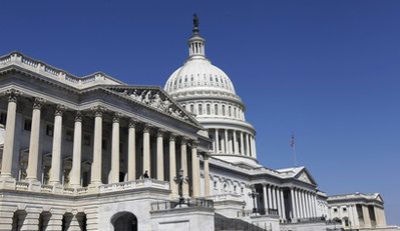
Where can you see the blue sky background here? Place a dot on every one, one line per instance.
(327, 69)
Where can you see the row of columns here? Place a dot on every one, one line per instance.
(304, 203)
(229, 141)
(96, 169)
(273, 199)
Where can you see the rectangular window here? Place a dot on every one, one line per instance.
(49, 130)
(27, 124)
(3, 118)
(69, 135)
(104, 144)
(86, 140)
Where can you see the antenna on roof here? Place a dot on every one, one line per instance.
(293, 146)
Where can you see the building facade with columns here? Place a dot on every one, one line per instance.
(93, 153)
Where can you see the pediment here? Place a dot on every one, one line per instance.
(305, 177)
(156, 99)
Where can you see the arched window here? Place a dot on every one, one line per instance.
(192, 108)
(208, 109)
(216, 109)
(229, 111)
(200, 109)
(234, 112)
(223, 110)
(124, 221)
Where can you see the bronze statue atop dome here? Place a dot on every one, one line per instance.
(195, 24)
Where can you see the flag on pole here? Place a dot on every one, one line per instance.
(293, 145)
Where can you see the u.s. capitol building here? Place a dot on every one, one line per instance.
(93, 153)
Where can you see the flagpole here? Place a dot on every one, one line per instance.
(293, 144)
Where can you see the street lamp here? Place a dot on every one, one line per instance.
(180, 179)
(254, 194)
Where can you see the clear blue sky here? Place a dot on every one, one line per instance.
(327, 69)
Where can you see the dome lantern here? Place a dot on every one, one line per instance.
(196, 42)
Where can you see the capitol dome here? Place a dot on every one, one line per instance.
(200, 74)
(208, 93)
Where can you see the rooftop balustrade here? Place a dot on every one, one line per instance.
(168, 205)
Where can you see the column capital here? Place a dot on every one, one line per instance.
(116, 117)
(38, 102)
(98, 110)
(132, 122)
(78, 116)
(12, 95)
(147, 127)
(160, 132)
(184, 140)
(172, 136)
(59, 110)
(195, 143)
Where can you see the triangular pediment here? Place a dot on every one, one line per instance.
(305, 177)
(155, 98)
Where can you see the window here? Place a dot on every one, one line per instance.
(3, 118)
(86, 140)
(223, 110)
(335, 210)
(200, 109)
(69, 135)
(229, 111)
(192, 108)
(216, 109)
(49, 130)
(215, 184)
(242, 190)
(344, 209)
(104, 144)
(234, 188)
(208, 109)
(27, 124)
(234, 112)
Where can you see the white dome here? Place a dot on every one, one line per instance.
(198, 73)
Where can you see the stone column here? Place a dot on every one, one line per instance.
(97, 146)
(298, 204)
(172, 165)
(184, 164)
(253, 141)
(235, 143)
(132, 150)
(270, 197)
(160, 154)
(55, 169)
(265, 198)
(216, 141)
(274, 199)
(146, 150)
(308, 207)
(115, 152)
(278, 201)
(34, 141)
(75, 173)
(241, 144)
(195, 170)
(293, 205)
(355, 214)
(248, 151)
(206, 176)
(55, 222)
(283, 205)
(8, 148)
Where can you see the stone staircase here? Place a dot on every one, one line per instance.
(223, 223)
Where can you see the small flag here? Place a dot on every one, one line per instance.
(293, 141)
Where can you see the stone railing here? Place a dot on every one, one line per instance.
(225, 197)
(21, 60)
(76, 191)
(168, 205)
(145, 183)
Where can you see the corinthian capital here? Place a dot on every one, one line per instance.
(98, 110)
(38, 102)
(60, 109)
(12, 95)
